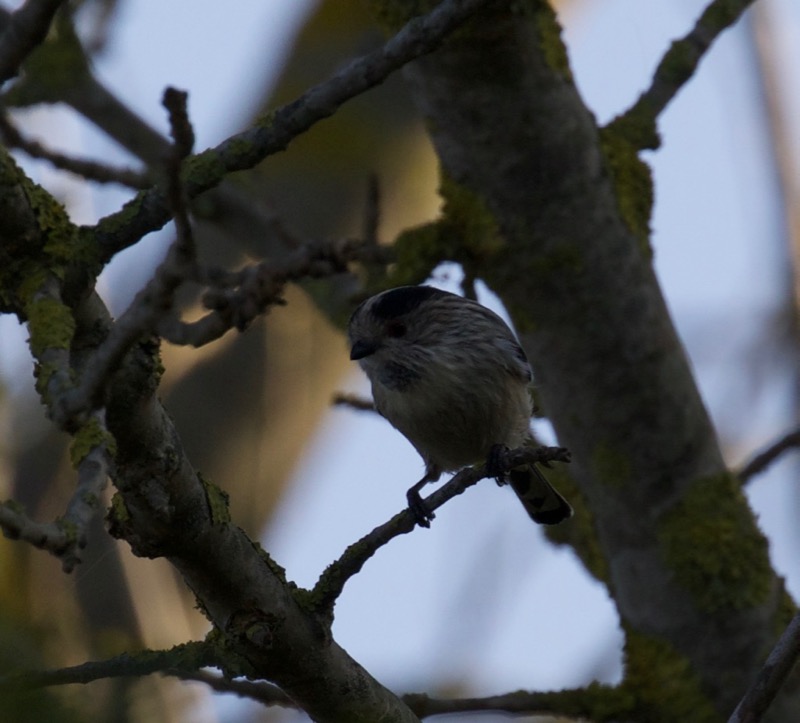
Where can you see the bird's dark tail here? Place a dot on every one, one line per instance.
(538, 496)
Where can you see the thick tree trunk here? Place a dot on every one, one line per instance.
(684, 559)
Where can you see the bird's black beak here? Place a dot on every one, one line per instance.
(362, 348)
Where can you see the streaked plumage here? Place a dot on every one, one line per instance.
(450, 376)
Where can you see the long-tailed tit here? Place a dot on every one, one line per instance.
(449, 374)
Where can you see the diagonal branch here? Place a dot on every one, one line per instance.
(90, 170)
(676, 68)
(260, 691)
(27, 28)
(333, 579)
(149, 210)
(239, 297)
(342, 399)
(187, 657)
(766, 457)
(91, 451)
(579, 704)
(772, 676)
(156, 299)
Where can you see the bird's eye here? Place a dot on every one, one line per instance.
(395, 329)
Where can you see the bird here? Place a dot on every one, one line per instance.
(449, 375)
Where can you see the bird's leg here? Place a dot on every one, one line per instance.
(494, 464)
(422, 513)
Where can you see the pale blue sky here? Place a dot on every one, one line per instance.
(718, 254)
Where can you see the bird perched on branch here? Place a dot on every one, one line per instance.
(449, 374)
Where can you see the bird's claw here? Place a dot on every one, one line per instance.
(495, 463)
(422, 513)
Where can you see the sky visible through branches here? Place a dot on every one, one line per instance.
(719, 252)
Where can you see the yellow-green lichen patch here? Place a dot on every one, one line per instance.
(32, 277)
(50, 325)
(52, 68)
(29, 217)
(203, 170)
(548, 30)
(218, 502)
(417, 252)
(43, 372)
(663, 684)
(466, 232)
(119, 518)
(712, 543)
(633, 184)
(467, 219)
(119, 220)
(239, 151)
(58, 231)
(91, 435)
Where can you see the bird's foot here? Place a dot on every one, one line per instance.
(422, 513)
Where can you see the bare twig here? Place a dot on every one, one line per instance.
(51, 326)
(65, 538)
(244, 295)
(779, 664)
(27, 28)
(333, 579)
(90, 170)
(766, 457)
(421, 35)
(354, 402)
(187, 657)
(175, 101)
(183, 134)
(44, 310)
(675, 69)
(16, 525)
(259, 691)
(571, 704)
(155, 300)
(93, 465)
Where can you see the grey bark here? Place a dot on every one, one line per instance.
(609, 367)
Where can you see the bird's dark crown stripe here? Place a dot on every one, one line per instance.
(397, 302)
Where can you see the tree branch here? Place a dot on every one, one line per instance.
(333, 579)
(259, 691)
(572, 704)
(90, 170)
(766, 457)
(149, 210)
(187, 657)
(675, 69)
(26, 29)
(241, 296)
(65, 537)
(17, 525)
(353, 402)
(776, 669)
(91, 451)
(157, 297)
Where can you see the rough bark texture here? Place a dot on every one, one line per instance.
(167, 510)
(576, 275)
